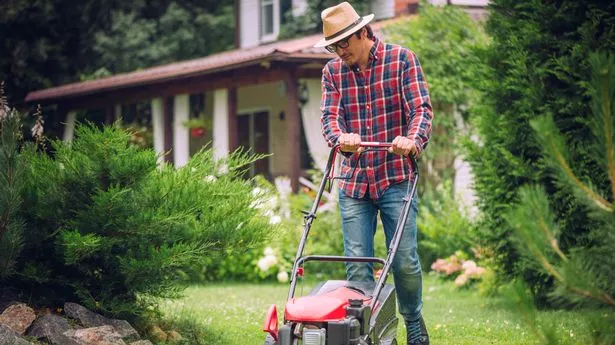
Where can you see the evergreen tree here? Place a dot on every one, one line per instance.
(537, 64)
(584, 274)
(11, 174)
(110, 228)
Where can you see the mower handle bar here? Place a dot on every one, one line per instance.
(335, 258)
(311, 215)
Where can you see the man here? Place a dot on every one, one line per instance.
(375, 91)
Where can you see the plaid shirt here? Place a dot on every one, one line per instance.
(388, 99)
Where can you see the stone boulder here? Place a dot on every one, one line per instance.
(7, 336)
(18, 317)
(91, 319)
(103, 335)
(52, 328)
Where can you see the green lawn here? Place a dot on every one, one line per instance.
(232, 314)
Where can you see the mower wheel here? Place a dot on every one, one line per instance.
(269, 340)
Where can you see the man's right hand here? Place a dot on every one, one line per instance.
(350, 142)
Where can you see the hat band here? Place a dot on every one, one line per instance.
(344, 30)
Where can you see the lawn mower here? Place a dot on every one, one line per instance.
(341, 312)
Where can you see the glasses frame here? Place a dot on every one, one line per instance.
(332, 48)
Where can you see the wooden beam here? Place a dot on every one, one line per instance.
(228, 79)
(293, 128)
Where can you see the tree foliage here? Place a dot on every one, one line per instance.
(537, 64)
(106, 225)
(583, 273)
(11, 179)
(310, 21)
(449, 58)
(53, 42)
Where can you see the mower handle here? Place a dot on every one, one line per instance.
(311, 215)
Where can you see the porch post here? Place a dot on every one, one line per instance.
(158, 127)
(181, 139)
(293, 128)
(232, 119)
(118, 113)
(221, 127)
(69, 126)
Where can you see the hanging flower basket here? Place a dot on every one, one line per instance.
(197, 132)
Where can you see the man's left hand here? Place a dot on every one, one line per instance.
(403, 146)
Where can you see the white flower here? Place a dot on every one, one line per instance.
(282, 276)
(271, 260)
(37, 129)
(275, 219)
(269, 251)
(210, 178)
(266, 262)
(262, 265)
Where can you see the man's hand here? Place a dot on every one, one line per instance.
(403, 146)
(350, 142)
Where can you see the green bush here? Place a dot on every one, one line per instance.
(110, 227)
(443, 228)
(537, 64)
(11, 179)
(583, 274)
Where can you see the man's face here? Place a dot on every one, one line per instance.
(350, 49)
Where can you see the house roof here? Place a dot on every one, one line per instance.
(288, 50)
(300, 49)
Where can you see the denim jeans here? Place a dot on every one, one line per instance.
(359, 228)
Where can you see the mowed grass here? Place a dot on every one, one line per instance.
(233, 314)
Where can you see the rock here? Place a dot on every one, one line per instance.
(18, 318)
(8, 337)
(91, 319)
(158, 334)
(103, 335)
(52, 327)
(142, 342)
(173, 337)
(86, 317)
(124, 329)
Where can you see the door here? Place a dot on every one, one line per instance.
(253, 133)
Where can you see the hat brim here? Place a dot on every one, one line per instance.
(364, 21)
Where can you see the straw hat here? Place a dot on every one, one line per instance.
(339, 22)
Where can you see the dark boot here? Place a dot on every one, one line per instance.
(417, 332)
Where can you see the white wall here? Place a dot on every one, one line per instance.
(249, 23)
(382, 9)
(269, 97)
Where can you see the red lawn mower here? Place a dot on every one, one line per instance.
(341, 312)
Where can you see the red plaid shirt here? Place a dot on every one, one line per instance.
(388, 99)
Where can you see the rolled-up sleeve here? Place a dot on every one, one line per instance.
(418, 110)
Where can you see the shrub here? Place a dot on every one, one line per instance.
(583, 274)
(107, 225)
(536, 65)
(11, 179)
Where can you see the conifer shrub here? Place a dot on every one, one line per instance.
(583, 274)
(109, 226)
(537, 64)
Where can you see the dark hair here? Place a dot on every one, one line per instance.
(370, 32)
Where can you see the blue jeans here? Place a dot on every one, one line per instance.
(359, 228)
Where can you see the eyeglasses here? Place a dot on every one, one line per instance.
(332, 48)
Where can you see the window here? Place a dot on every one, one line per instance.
(270, 20)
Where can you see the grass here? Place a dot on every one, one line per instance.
(233, 314)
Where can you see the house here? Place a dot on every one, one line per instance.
(265, 94)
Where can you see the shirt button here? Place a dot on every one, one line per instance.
(368, 127)
(367, 106)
